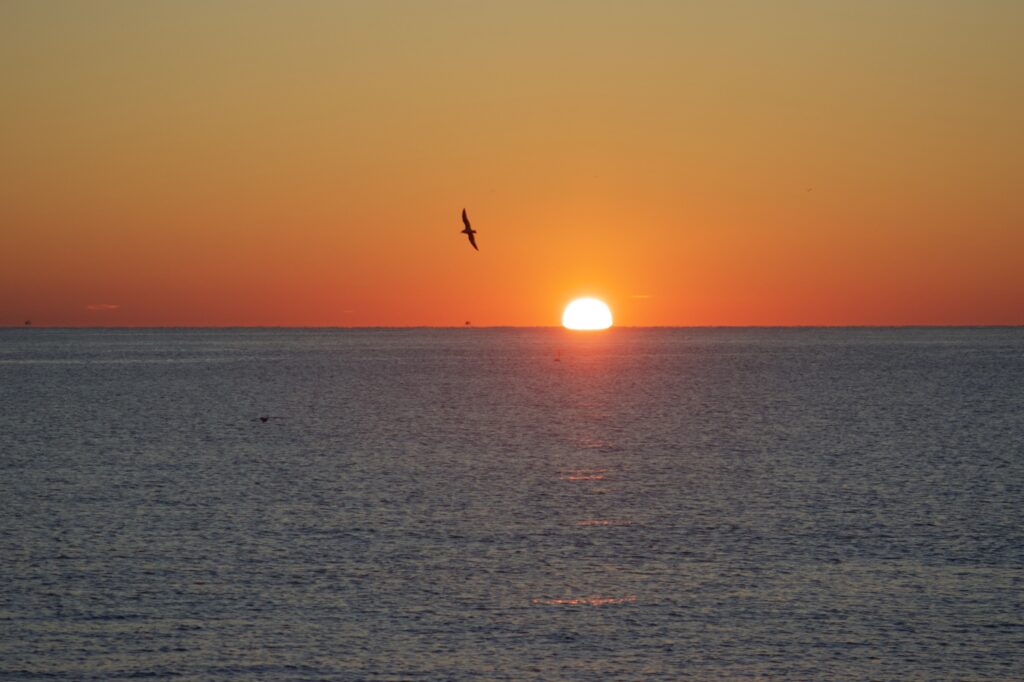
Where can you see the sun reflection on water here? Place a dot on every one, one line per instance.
(582, 474)
(586, 601)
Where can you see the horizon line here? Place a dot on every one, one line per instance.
(492, 327)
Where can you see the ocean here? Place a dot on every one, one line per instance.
(512, 504)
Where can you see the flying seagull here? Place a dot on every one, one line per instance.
(469, 231)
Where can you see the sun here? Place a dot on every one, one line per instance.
(587, 314)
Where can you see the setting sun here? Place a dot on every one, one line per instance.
(587, 314)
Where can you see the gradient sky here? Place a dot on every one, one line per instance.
(691, 163)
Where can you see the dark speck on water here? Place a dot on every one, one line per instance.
(719, 504)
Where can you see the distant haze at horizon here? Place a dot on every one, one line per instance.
(698, 164)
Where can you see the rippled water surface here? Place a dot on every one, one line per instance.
(512, 504)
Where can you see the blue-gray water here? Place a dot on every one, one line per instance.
(512, 504)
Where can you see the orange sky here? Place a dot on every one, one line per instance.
(691, 163)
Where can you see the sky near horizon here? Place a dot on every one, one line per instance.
(690, 163)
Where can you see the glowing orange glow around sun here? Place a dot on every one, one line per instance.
(587, 314)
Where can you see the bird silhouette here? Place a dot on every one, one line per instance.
(469, 231)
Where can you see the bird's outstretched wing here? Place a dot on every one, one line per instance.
(472, 240)
(465, 220)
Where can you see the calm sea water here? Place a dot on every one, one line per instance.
(512, 504)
